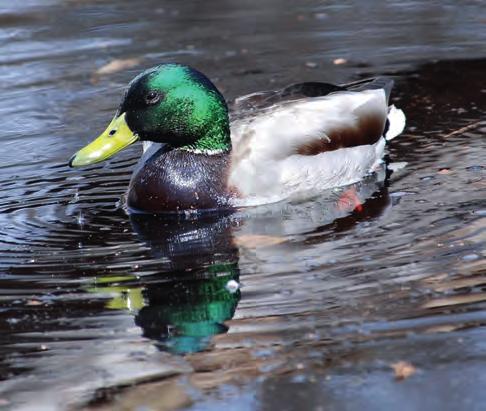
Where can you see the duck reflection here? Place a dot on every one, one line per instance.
(190, 306)
(188, 297)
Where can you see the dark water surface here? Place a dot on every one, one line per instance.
(330, 295)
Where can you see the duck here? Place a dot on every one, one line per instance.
(201, 153)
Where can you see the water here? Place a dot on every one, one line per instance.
(328, 295)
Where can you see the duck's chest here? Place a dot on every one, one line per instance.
(178, 180)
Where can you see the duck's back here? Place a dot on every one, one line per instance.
(309, 143)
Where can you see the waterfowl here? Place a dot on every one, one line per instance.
(279, 144)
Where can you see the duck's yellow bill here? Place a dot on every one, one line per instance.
(116, 137)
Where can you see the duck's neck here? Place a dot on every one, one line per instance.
(216, 140)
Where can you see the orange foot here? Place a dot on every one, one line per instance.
(349, 200)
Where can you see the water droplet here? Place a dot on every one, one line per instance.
(321, 16)
(470, 257)
(12, 321)
(80, 219)
(232, 286)
(299, 379)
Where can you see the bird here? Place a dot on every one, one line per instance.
(201, 153)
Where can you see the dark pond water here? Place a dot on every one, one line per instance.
(330, 295)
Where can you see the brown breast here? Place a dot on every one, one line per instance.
(178, 180)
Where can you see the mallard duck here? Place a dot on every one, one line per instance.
(280, 144)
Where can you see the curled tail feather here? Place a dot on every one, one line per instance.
(396, 119)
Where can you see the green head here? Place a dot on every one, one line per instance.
(169, 103)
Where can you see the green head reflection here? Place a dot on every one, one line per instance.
(183, 316)
(184, 305)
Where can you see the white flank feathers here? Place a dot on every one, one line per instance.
(265, 167)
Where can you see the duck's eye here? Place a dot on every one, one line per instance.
(152, 97)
